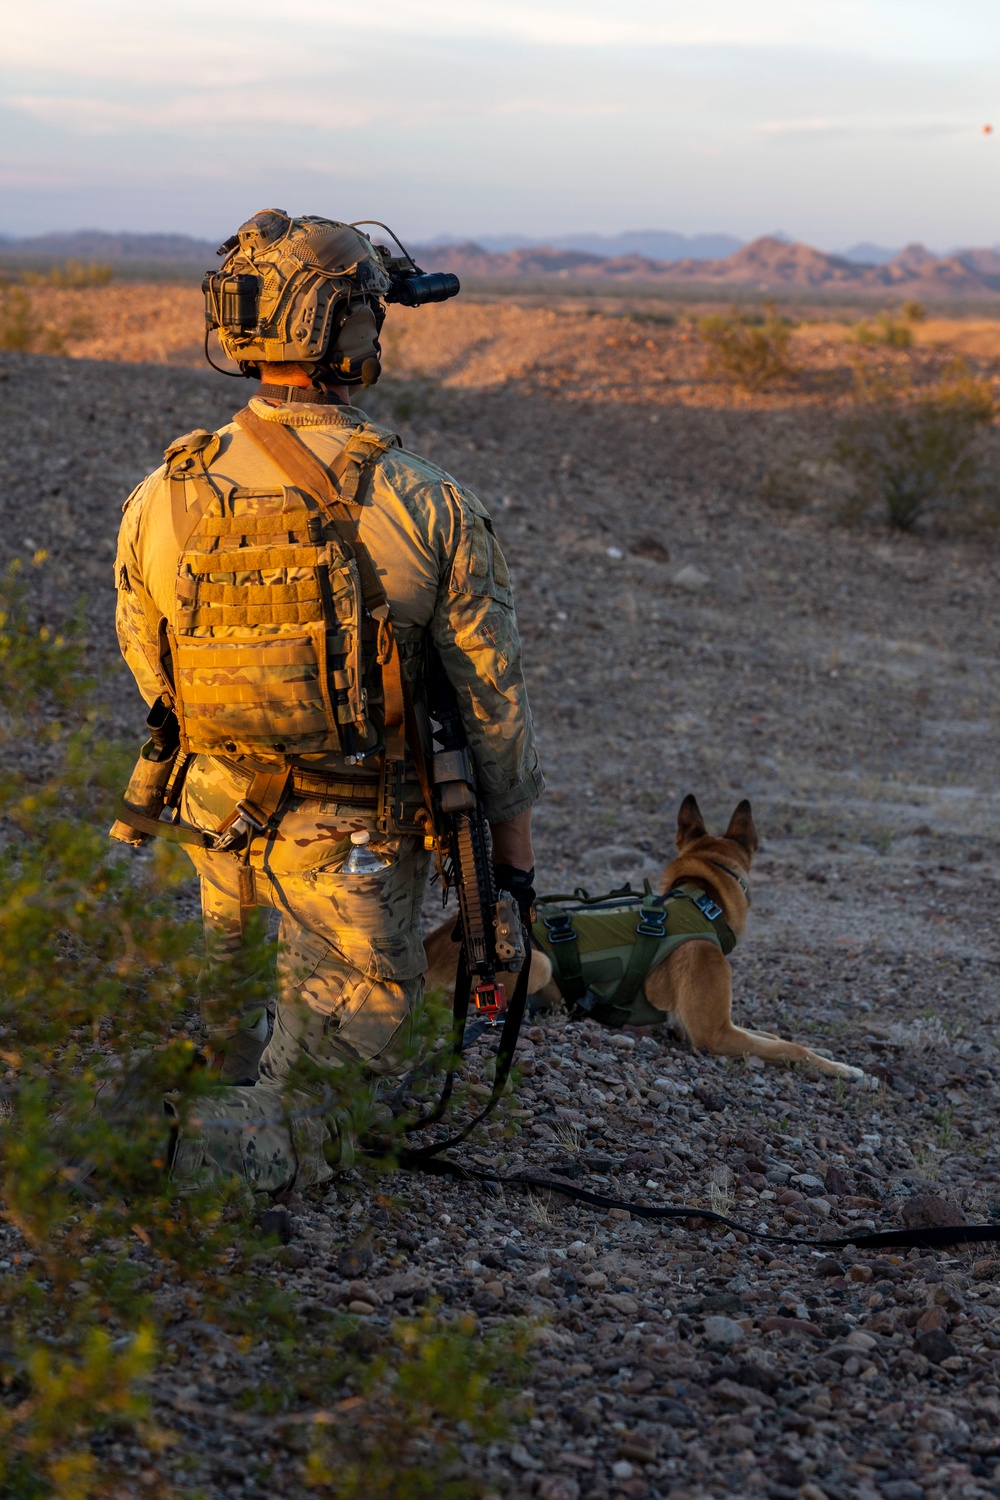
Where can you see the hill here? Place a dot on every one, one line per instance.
(767, 264)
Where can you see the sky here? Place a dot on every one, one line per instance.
(831, 120)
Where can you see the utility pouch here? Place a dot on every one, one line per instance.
(146, 792)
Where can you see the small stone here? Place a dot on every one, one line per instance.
(860, 1273)
(275, 1223)
(558, 1487)
(933, 1320)
(640, 1453)
(622, 1469)
(520, 1456)
(929, 1211)
(359, 1308)
(690, 578)
(495, 1289)
(361, 1291)
(935, 1346)
(723, 1332)
(898, 1489)
(789, 1195)
(624, 1303)
(858, 1339)
(829, 1267)
(836, 1183)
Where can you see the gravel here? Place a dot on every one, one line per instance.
(847, 682)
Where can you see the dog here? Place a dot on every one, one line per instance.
(692, 986)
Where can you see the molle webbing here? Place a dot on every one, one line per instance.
(273, 651)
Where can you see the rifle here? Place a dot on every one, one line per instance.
(490, 926)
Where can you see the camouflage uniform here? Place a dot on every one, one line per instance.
(351, 960)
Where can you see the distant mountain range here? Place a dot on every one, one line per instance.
(771, 263)
(766, 264)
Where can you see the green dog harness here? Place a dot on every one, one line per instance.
(604, 948)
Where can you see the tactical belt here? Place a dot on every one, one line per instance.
(319, 786)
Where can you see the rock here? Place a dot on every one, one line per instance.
(860, 1273)
(359, 1308)
(624, 1303)
(858, 1339)
(651, 547)
(777, 1324)
(558, 1487)
(520, 1456)
(933, 1320)
(929, 1211)
(276, 1223)
(724, 1332)
(935, 1346)
(622, 1469)
(807, 1183)
(690, 578)
(836, 1183)
(640, 1453)
(357, 1257)
(901, 1489)
(708, 1098)
(829, 1267)
(733, 1393)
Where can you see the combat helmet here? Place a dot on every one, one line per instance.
(311, 291)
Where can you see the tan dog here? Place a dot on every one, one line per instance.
(693, 985)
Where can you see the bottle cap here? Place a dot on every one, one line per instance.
(361, 836)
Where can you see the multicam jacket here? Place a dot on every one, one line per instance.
(432, 545)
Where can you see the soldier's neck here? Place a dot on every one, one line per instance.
(299, 379)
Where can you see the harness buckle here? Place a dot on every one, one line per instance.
(560, 928)
(490, 1000)
(709, 908)
(652, 922)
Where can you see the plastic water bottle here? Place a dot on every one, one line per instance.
(363, 859)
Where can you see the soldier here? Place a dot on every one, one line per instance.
(280, 582)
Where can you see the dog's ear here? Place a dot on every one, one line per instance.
(690, 823)
(741, 828)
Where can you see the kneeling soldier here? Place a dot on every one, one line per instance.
(280, 584)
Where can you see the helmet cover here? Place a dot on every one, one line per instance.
(319, 289)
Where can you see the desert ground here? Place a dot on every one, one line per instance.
(681, 633)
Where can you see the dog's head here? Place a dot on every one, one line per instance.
(721, 864)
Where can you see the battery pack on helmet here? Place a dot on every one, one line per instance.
(231, 302)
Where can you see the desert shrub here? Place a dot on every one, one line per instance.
(75, 273)
(748, 349)
(99, 968)
(887, 330)
(914, 311)
(22, 326)
(916, 451)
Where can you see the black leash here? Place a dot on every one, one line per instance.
(422, 1158)
(932, 1237)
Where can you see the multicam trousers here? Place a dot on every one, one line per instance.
(350, 974)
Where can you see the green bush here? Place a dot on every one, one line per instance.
(886, 330)
(747, 349)
(915, 451)
(98, 967)
(75, 273)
